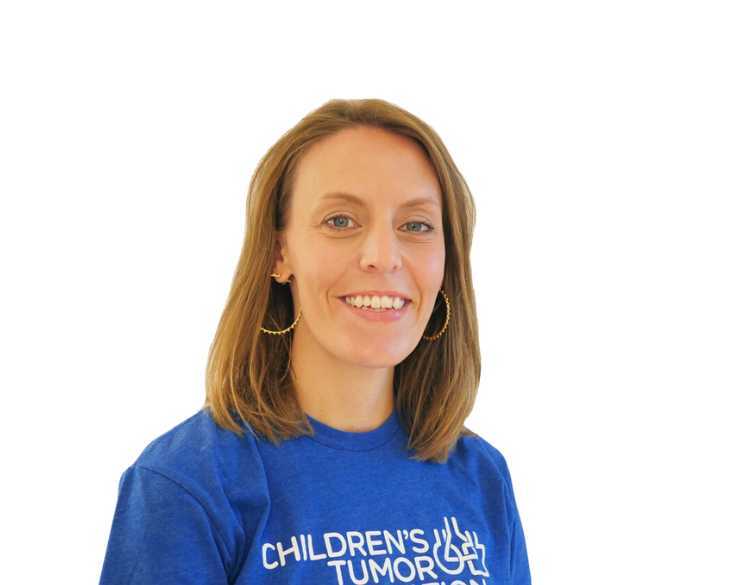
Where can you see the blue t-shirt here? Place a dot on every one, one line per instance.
(202, 506)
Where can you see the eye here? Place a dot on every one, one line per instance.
(337, 217)
(428, 226)
(342, 226)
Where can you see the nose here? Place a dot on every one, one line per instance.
(381, 251)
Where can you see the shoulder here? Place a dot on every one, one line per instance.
(195, 483)
(196, 434)
(492, 469)
(487, 456)
(198, 465)
(204, 458)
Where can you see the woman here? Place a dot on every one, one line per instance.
(331, 446)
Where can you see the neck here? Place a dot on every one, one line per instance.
(347, 396)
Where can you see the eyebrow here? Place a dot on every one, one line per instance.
(358, 201)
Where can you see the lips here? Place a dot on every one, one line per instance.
(377, 293)
(386, 315)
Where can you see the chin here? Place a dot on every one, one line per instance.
(371, 360)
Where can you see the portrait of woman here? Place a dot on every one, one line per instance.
(331, 446)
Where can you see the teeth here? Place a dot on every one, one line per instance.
(375, 302)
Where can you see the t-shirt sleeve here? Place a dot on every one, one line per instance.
(161, 534)
(519, 570)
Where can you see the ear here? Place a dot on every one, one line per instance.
(281, 263)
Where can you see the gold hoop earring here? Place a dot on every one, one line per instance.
(287, 329)
(283, 331)
(446, 321)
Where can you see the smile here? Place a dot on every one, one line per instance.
(381, 314)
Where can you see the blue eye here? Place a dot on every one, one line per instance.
(337, 217)
(428, 226)
(342, 226)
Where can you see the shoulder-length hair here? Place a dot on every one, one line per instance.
(248, 374)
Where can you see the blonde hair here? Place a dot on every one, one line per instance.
(248, 374)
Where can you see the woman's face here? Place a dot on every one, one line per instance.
(380, 241)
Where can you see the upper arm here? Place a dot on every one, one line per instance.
(519, 569)
(161, 534)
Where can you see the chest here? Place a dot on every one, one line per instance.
(366, 528)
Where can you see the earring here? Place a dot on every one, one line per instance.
(446, 321)
(282, 332)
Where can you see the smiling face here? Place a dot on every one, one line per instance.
(377, 238)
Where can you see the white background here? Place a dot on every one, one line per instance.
(598, 139)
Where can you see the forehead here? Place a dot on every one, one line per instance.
(371, 164)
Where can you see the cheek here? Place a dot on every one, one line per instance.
(431, 267)
(319, 267)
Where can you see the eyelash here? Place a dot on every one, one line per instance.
(431, 227)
